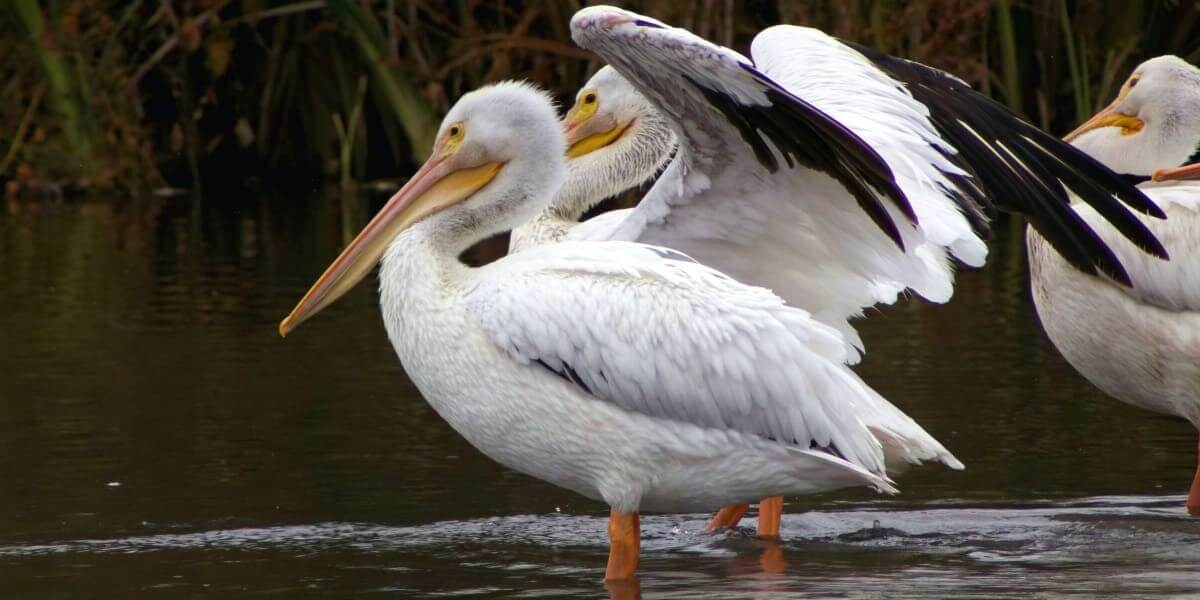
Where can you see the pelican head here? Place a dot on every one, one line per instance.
(497, 158)
(1153, 123)
(616, 139)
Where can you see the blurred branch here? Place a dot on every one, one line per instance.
(209, 15)
(165, 49)
(508, 42)
(279, 11)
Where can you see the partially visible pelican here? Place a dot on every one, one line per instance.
(1140, 345)
(768, 181)
(625, 372)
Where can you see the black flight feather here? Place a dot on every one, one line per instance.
(803, 134)
(1018, 168)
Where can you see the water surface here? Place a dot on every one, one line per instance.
(157, 437)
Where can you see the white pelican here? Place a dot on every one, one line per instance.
(625, 372)
(1140, 345)
(834, 175)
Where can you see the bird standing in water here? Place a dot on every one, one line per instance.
(834, 175)
(1140, 345)
(625, 372)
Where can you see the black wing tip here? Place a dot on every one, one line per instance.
(871, 177)
(1153, 246)
(1037, 189)
(1152, 209)
(795, 128)
(1116, 271)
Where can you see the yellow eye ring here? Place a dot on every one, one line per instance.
(454, 136)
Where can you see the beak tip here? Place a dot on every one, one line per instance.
(285, 327)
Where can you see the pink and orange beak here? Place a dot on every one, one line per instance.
(435, 186)
(1184, 173)
(1109, 117)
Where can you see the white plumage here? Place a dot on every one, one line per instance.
(842, 83)
(795, 231)
(639, 326)
(1139, 344)
(871, 201)
(809, 171)
(625, 372)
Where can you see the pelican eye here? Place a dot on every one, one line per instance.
(454, 136)
(1133, 80)
(586, 105)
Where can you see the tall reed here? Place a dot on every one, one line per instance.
(103, 93)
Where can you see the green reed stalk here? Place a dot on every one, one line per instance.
(1080, 91)
(410, 108)
(347, 132)
(58, 76)
(1010, 70)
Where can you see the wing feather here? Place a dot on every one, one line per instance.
(1168, 284)
(765, 186)
(825, 149)
(656, 333)
(1019, 168)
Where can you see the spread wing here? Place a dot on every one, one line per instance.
(820, 175)
(654, 332)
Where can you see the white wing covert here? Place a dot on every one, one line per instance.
(1168, 284)
(654, 332)
(845, 85)
(830, 237)
(838, 200)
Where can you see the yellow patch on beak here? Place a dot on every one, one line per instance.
(1109, 117)
(596, 141)
(1129, 124)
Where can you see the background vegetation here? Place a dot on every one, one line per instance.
(150, 94)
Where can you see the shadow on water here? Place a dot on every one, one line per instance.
(157, 435)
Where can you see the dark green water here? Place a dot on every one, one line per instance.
(158, 438)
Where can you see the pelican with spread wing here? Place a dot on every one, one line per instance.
(836, 176)
(1140, 345)
(626, 372)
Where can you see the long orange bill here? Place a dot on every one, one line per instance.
(434, 187)
(1183, 173)
(1109, 117)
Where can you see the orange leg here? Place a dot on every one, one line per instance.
(624, 545)
(1193, 501)
(727, 517)
(770, 513)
